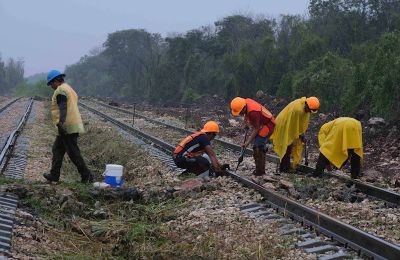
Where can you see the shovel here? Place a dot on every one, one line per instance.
(240, 160)
(306, 153)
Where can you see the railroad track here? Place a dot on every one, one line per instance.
(11, 167)
(341, 233)
(9, 104)
(392, 198)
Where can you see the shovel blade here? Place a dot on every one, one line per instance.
(240, 160)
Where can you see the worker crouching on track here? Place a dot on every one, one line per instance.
(262, 123)
(66, 117)
(338, 140)
(195, 154)
(288, 136)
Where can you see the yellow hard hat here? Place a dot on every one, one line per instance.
(313, 104)
(210, 127)
(237, 105)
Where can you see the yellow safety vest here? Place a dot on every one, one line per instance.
(73, 123)
(337, 137)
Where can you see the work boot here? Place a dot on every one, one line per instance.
(49, 177)
(355, 165)
(88, 178)
(259, 158)
(321, 165)
(284, 166)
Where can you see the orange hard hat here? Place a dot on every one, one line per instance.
(210, 127)
(237, 105)
(313, 103)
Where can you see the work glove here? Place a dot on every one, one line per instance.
(61, 129)
(225, 167)
(221, 171)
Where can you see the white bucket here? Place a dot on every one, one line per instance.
(113, 175)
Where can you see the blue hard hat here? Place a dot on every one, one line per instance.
(52, 75)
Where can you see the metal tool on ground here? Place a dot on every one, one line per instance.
(240, 160)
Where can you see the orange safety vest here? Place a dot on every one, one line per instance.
(267, 128)
(188, 152)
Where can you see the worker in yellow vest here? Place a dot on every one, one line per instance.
(339, 140)
(262, 123)
(195, 154)
(66, 117)
(291, 124)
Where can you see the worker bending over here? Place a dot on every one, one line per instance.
(288, 136)
(338, 140)
(195, 154)
(262, 123)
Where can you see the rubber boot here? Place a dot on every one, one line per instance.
(49, 177)
(355, 162)
(259, 159)
(284, 166)
(87, 178)
(255, 156)
(321, 165)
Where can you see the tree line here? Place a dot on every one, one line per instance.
(11, 74)
(346, 52)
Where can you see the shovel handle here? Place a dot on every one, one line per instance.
(306, 153)
(240, 160)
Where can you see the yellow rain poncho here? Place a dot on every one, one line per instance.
(337, 137)
(291, 122)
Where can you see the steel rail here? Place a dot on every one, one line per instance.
(12, 138)
(371, 190)
(346, 234)
(153, 140)
(9, 104)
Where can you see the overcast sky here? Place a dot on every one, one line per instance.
(49, 34)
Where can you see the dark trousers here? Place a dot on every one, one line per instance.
(67, 144)
(284, 166)
(196, 165)
(355, 163)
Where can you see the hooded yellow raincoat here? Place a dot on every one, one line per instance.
(337, 137)
(291, 122)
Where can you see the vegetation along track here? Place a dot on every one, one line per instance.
(11, 167)
(341, 232)
(389, 196)
(9, 104)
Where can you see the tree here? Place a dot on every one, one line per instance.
(134, 57)
(328, 78)
(382, 68)
(11, 74)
